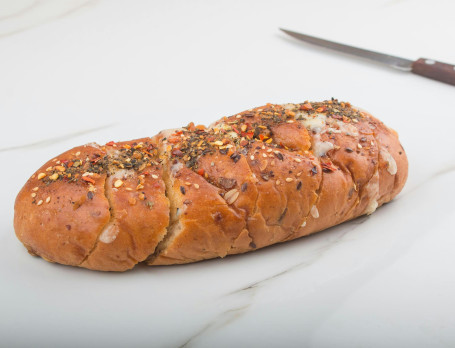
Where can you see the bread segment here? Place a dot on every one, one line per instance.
(139, 211)
(61, 220)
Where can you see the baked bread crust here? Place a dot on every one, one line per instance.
(263, 176)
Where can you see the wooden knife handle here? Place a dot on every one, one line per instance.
(434, 70)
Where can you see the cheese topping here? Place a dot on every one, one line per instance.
(176, 167)
(314, 123)
(372, 190)
(320, 148)
(391, 164)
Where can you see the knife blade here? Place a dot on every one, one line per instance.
(429, 68)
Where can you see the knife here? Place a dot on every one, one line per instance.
(429, 68)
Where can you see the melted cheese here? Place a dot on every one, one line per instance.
(391, 164)
(320, 148)
(314, 123)
(372, 190)
(347, 128)
(176, 167)
(289, 106)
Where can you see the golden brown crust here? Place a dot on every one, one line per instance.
(263, 176)
(59, 221)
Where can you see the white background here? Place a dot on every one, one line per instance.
(77, 71)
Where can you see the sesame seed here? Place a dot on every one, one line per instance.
(39, 202)
(299, 173)
(359, 146)
(278, 182)
(118, 183)
(41, 175)
(154, 176)
(298, 160)
(218, 143)
(78, 153)
(48, 199)
(48, 169)
(129, 189)
(196, 186)
(35, 188)
(231, 196)
(33, 195)
(187, 183)
(138, 187)
(314, 212)
(264, 155)
(289, 179)
(252, 157)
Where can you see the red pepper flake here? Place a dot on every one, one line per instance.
(235, 130)
(200, 171)
(306, 107)
(328, 167)
(174, 140)
(87, 178)
(261, 137)
(322, 109)
(111, 143)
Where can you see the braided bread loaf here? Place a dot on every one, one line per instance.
(263, 176)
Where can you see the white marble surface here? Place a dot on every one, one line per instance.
(76, 71)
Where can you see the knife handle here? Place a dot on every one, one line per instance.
(434, 70)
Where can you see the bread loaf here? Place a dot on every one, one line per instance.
(260, 177)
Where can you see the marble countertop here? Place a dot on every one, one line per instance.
(78, 71)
